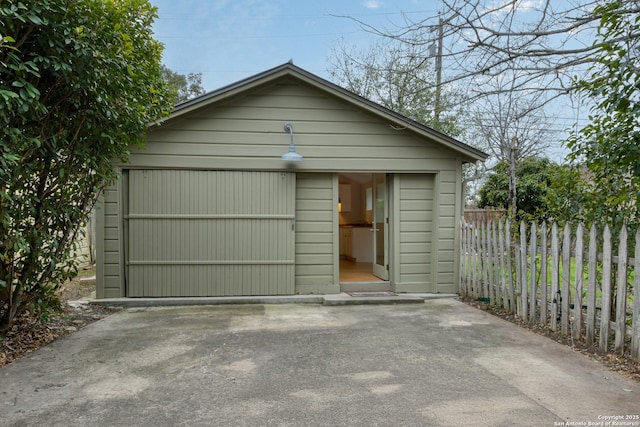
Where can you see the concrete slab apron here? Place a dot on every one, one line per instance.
(438, 363)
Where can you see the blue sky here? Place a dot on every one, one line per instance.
(228, 40)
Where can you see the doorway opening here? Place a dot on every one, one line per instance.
(363, 214)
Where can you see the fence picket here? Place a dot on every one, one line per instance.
(490, 265)
(474, 262)
(510, 277)
(517, 279)
(635, 334)
(478, 247)
(621, 292)
(566, 278)
(544, 298)
(592, 290)
(495, 270)
(555, 292)
(487, 271)
(532, 274)
(523, 270)
(503, 280)
(483, 257)
(577, 302)
(544, 288)
(605, 312)
(469, 260)
(463, 260)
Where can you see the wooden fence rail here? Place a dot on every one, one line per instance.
(554, 278)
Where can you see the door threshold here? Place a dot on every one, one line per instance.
(365, 286)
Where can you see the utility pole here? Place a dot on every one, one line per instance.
(439, 68)
(512, 178)
(436, 52)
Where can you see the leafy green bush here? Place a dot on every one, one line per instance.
(79, 82)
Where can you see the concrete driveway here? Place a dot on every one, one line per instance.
(437, 363)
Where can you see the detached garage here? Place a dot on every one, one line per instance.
(282, 184)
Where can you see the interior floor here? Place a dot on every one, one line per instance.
(357, 272)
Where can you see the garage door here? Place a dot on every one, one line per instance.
(210, 233)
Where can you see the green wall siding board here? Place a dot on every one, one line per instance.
(315, 238)
(312, 259)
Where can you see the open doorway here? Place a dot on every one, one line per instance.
(363, 217)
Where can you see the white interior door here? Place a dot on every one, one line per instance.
(380, 227)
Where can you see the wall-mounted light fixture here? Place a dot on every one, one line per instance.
(291, 155)
(339, 205)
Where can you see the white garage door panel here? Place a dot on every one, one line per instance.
(210, 233)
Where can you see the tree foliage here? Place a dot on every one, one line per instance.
(609, 146)
(186, 87)
(79, 82)
(545, 190)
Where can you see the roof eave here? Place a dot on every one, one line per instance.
(469, 154)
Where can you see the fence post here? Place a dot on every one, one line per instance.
(577, 301)
(591, 286)
(605, 313)
(621, 292)
(544, 303)
(476, 259)
(635, 332)
(555, 290)
(533, 278)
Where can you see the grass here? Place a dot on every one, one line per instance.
(572, 278)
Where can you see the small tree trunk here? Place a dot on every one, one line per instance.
(14, 303)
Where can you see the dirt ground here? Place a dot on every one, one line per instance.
(29, 333)
(621, 363)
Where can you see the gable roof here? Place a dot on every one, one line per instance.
(289, 70)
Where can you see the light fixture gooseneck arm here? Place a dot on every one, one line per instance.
(288, 127)
(291, 155)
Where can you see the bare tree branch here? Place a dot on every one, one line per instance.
(548, 43)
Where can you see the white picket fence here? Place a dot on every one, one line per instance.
(532, 277)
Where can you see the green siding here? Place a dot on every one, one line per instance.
(415, 233)
(109, 265)
(450, 183)
(246, 132)
(315, 238)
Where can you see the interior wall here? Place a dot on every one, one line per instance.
(357, 212)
